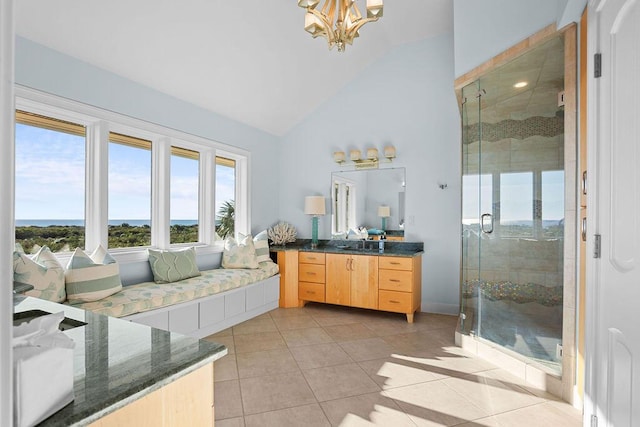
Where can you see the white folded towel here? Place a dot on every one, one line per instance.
(42, 369)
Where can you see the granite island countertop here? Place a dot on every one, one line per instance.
(117, 361)
(353, 247)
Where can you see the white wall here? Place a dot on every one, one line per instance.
(405, 98)
(486, 28)
(44, 69)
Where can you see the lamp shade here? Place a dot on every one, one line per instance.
(384, 211)
(314, 205)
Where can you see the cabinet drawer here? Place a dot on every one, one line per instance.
(396, 263)
(311, 257)
(399, 302)
(395, 280)
(311, 273)
(311, 291)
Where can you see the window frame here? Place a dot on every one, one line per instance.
(99, 124)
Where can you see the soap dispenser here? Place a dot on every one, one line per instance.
(381, 243)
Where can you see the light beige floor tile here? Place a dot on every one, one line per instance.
(319, 355)
(337, 319)
(307, 415)
(268, 362)
(545, 415)
(273, 392)
(226, 340)
(224, 333)
(225, 368)
(492, 395)
(227, 399)
(258, 342)
(367, 349)
(295, 322)
(288, 312)
(296, 337)
(393, 372)
(231, 422)
(337, 382)
(370, 409)
(349, 332)
(386, 327)
(506, 377)
(255, 326)
(428, 321)
(434, 404)
(450, 361)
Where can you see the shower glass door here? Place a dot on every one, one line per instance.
(513, 206)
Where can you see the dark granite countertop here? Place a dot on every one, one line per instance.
(354, 247)
(117, 361)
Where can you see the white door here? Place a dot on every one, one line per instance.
(613, 389)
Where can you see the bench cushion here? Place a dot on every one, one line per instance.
(149, 295)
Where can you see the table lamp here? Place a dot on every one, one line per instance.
(314, 206)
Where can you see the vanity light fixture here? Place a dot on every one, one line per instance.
(314, 206)
(384, 212)
(371, 160)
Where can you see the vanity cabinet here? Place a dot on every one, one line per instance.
(311, 276)
(352, 280)
(400, 283)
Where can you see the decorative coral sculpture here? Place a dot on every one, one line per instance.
(282, 233)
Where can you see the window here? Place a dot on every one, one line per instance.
(225, 194)
(553, 204)
(129, 191)
(50, 183)
(516, 204)
(88, 177)
(343, 199)
(185, 172)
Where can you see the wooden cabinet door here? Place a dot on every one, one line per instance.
(364, 281)
(338, 279)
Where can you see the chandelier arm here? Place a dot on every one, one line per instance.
(351, 31)
(327, 30)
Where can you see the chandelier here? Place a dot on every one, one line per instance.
(346, 16)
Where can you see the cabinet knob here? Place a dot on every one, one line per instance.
(311, 273)
(394, 280)
(392, 301)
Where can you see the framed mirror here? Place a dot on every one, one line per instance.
(362, 198)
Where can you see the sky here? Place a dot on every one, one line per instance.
(516, 193)
(50, 179)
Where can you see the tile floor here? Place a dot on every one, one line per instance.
(324, 365)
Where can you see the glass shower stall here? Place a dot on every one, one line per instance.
(513, 206)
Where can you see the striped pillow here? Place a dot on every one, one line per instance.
(90, 278)
(261, 243)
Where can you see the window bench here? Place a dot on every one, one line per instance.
(199, 306)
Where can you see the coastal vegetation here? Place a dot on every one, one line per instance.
(65, 238)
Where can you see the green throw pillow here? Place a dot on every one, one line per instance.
(91, 278)
(171, 266)
(43, 272)
(239, 255)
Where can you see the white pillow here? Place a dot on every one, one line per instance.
(91, 278)
(43, 272)
(239, 255)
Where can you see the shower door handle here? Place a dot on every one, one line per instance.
(486, 223)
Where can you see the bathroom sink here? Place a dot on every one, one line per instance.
(26, 316)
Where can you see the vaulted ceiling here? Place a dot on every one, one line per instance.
(247, 60)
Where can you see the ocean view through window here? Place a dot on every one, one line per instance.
(129, 191)
(87, 177)
(50, 183)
